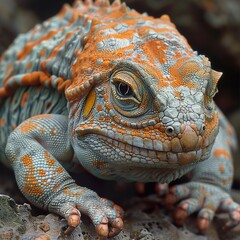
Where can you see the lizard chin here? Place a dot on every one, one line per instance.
(114, 160)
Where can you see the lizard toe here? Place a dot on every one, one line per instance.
(233, 209)
(176, 194)
(116, 227)
(106, 217)
(102, 228)
(184, 209)
(73, 221)
(204, 218)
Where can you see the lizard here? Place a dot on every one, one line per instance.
(123, 95)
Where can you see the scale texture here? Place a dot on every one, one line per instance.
(124, 96)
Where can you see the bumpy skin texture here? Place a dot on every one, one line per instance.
(124, 95)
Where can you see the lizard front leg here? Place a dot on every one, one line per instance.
(33, 149)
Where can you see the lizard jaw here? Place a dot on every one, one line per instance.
(113, 160)
(148, 151)
(163, 157)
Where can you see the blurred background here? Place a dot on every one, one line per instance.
(212, 27)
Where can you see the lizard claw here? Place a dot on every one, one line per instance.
(102, 228)
(179, 215)
(109, 229)
(202, 223)
(73, 221)
(117, 226)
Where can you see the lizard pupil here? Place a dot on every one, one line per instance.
(124, 89)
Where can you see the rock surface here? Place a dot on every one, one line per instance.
(143, 220)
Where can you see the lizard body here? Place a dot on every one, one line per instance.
(124, 95)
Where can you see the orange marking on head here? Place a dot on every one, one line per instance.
(56, 187)
(99, 108)
(222, 152)
(178, 94)
(50, 161)
(27, 127)
(24, 98)
(107, 119)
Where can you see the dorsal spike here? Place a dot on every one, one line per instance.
(212, 83)
(165, 18)
(123, 7)
(77, 3)
(216, 76)
(106, 3)
(88, 2)
(116, 3)
(102, 3)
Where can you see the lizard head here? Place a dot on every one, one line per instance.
(141, 103)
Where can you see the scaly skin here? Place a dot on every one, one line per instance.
(124, 95)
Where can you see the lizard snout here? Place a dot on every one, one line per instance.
(188, 135)
(189, 138)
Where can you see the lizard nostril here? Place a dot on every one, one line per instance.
(170, 131)
(203, 127)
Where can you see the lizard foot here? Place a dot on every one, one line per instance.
(206, 199)
(105, 215)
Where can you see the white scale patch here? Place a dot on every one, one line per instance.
(113, 44)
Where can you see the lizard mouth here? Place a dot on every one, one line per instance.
(143, 155)
(141, 150)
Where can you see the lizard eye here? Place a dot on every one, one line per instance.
(124, 89)
(128, 94)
